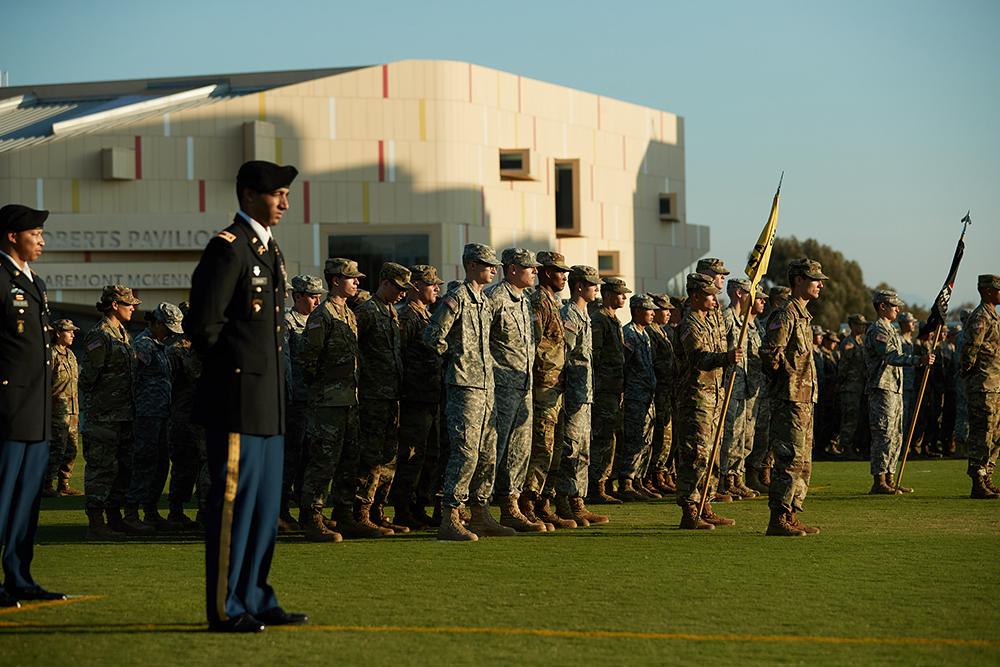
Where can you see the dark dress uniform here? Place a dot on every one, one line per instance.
(237, 323)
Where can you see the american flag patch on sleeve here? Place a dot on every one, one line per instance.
(570, 326)
(977, 325)
(451, 302)
(775, 325)
(93, 346)
(880, 338)
(687, 332)
(315, 324)
(141, 356)
(629, 346)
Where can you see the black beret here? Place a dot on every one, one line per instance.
(18, 218)
(261, 176)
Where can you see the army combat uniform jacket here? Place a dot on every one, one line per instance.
(512, 341)
(380, 366)
(107, 374)
(471, 364)
(787, 354)
(578, 370)
(884, 357)
(422, 367)
(609, 352)
(979, 363)
(329, 356)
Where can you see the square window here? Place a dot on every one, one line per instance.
(608, 263)
(515, 164)
(668, 207)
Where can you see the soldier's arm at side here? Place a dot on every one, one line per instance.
(92, 362)
(892, 357)
(699, 353)
(436, 333)
(597, 344)
(310, 353)
(213, 285)
(779, 330)
(974, 337)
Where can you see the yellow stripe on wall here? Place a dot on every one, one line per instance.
(423, 120)
(366, 207)
(263, 108)
(76, 195)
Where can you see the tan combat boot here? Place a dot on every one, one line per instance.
(544, 512)
(527, 502)
(650, 485)
(979, 489)
(880, 488)
(362, 513)
(754, 481)
(670, 482)
(743, 489)
(483, 524)
(808, 530)
(711, 517)
(581, 513)
(988, 481)
(347, 526)
(451, 528)
(565, 512)
(133, 525)
(781, 526)
(317, 531)
(727, 486)
(511, 517)
(97, 530)
(892, 485)
(690, 519)
(286, 524)
(64, 489)
(378, 517)
(627, 493)
(599, 495)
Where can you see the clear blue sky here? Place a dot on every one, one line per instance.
(884, 116)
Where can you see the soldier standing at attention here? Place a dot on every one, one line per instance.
(512, 346)
(107, 384)
(419, 398)
(661, 339)
(547, 392)
(788, 360)
(637, 404)
(379, 377)
(307, 293)
(980, 369)
(851, 380)
(236, 323)
(607, 419)
(461, 327)
(883, 358)
(25, 400)
(907, 323)
(65, 411)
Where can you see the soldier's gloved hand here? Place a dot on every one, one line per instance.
(927, 360)
(735, 356)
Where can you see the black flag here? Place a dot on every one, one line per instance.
(940, 309)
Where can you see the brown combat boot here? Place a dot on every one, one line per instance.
(286, 524)
(988, 481)
(367, 514)
(742, 488)
(892, 485)
(348, 526)
(403, 515)
(670, 481)
(660, 482)
(781, 526)
(565, 512)
(419, 512)
(131, 524)
(649, 484)
(511, 517)
(690, 520)
(727, 488)
(483, 524)
(599, 495)
(544, 512)
(754, 481)
(979, 489)
(451, 528)
(581, 513)
(711, 517)
(880, 488)
(159, 523)
(97, 530)
(527, 502)
(316, 529)
(64, 489)
(795, 523)
(626, 492)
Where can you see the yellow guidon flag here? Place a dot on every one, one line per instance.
(761, 255)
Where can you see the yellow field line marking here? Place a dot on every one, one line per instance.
(47, 603)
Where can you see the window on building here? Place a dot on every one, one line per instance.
(515, 164)
(608, 263)
(668, 207)
(371, 251)
(567, 179)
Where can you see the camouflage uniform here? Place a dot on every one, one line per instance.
(329, 362)
(661, 340)
(547, 394)
(297, 410)
(741, 413)
(961, 407)
(980, 368)
(883, 358)
(150, 447)
(909, 374)
(640, 385)
(512, 347)
(853, 403)
(65, 416)
(188, 456)
(578, 397)
(107, 385)
(761, 456)
(609, 385)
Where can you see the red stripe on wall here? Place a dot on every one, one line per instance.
(381, 161)
(201, 196)
(138, 158)
(305, 202)
(86, 256)
(385, 81)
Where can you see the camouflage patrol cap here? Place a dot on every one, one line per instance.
(955, 329)
(856, 318)
(426, 274)
(738, 283)
(477, 252)
(662, 301)
(307, 285)
(584, 273)
(905, 317)
(452, 284)
(817, 330)
(989, 280)
(169, 314)
(118, 293)
(362, 296)
(832, 336)
(64, 325)
(759, 292)
(548, 258)
(519, 256)
(711, 264)
(809, 268)
(699, 282)
(678, 301)
(616, 285)
(964, 314)
(397, 274)
(643, 301)
(779, 292)
(886, 296)
(338, 266)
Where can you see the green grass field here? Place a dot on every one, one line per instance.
(901, 580)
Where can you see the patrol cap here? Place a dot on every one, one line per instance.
(616, 285)
(452, 284)
(397, 274)
(989, 280)
(169, 314)
(817, 330)
(964, 314)
(643, 301)
(699, 282)
(118, 293)
(856, 318)
(339, 266)
(955, 328)
(678, 301)
(886, 296)
(584, 273)
(905, 317)
(712, 264)
(662, 301)
(477, 252)
(832, 336)
(18, 218)
(426, 274)
(549, 258)
(362, 296)
(738, 283)
(809, 268)
(261, 176)
(779, 292)
(307, 285)
(64, 325)
(759, 293)
(520, 256)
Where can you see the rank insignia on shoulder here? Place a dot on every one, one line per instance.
(775, 325)
(93, 346)
(141, 356)
(570, 326)
(880, 338)
(228, 236)
(314, 325)
(451, 302)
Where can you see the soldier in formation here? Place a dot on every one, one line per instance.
(65, 412)
(851, 385)
(633, 458)
(980, 369)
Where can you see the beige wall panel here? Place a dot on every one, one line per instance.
(635, 149)
(420, 90)
(480, 90)
(404, 168)
(421, 165)
(585, 109)
(361, 123)
(403, 202)
(509, 91)
(125, 197)
(202, 159)
(354, 160)
(401, 80)
(206, 122)
(336, 165)
(418, 208)
(310, 113)
(40, 161)
(369, 82)
(341, 202)
(432, 108)
(374, 114)
(678, 129)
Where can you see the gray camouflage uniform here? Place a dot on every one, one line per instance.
(741, 414)
(640, 384)
(150, 445)
(577, 399)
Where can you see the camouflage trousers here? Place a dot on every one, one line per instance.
(927, 429)
(607, 429)
(472, 434)
(885, 414)
(107, 449)
(188, 463)
(150, 461)
(296, 424)
(332, 441)
(660, 456)
(961, 414)
(634, 455)
(854, 427)
(379, 438)
(738, 435)
(573, 432)
(443, 447)
(514, 425)
(908, 395)
(984, 432)
(543, 465)
(761, 456)
(62, 448)
(695, 431)
(791, 442)
(417, 453)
